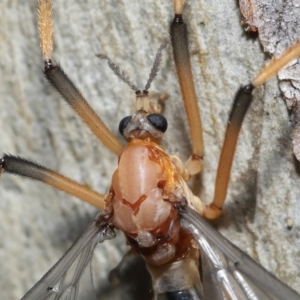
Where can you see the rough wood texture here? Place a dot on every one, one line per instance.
(277, 23)
(37, 224)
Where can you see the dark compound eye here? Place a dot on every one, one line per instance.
(158, 121)
(123, 124)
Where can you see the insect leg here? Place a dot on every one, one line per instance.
(185, 77)
(240, 106)
(59, 79)
(19, 166)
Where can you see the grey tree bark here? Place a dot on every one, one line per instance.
(38, 224)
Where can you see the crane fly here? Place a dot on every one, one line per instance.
(106, 221)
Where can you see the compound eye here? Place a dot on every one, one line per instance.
(123, 124)
(158, 121)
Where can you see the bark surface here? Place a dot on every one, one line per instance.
(37, 223)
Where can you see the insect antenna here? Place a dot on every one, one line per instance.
(125, 77)
(156, 65)
(116, 69)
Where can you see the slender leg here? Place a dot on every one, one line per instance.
(185, 77)
(65, 86)
(240, 106)
(19, 166)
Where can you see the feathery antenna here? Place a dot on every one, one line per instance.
(116, 69)
(156, 65)
(125, 78)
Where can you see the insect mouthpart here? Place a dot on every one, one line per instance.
(147, 123)
(143, 125)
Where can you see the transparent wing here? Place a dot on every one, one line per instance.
(71, 278)
(229, 273)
